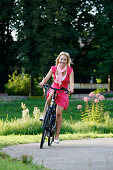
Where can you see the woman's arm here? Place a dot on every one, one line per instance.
(46, 78)
(71, 82)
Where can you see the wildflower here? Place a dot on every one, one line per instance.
(23, 106)
(101, 97)
(86, 99)
(36, 112)
(98, 95)
(79, 106)
(92, 94)
(25, 113)
(96, 100)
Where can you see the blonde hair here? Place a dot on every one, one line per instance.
(68, 58)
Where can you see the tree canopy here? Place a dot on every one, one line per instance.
(45, 28)
(7, 46)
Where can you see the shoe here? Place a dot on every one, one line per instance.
(41, 118)
(56, 141)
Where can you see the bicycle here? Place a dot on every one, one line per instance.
(49, 123)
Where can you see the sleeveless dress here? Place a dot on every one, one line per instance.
(62, 98)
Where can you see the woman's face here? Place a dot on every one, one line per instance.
(63, 60)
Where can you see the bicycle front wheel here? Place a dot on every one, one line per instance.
(43, 138)
(45, 126)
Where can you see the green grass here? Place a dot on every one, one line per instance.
(14, 124)
(18, 139)
(13, 109)
(6, 162)
(11, 122)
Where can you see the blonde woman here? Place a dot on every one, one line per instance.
(63, 74)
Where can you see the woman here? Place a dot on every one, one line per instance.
(63, 74)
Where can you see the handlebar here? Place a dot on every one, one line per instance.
(62, 88)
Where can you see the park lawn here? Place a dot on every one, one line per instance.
(71, 122)
(13, 110)
(11, 121)
(72, 127)
(22, 139)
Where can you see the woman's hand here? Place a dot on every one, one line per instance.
(41, 84)
(71, 91)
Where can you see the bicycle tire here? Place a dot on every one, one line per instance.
(45, 126)
(50, 140)
(52, 133)
(43, 138)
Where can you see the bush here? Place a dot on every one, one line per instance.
(19, 84)
(99, 90)
(107, 94)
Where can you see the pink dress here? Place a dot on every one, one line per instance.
(62, 99)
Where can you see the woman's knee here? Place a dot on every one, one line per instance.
(59, 111)
(50, 97)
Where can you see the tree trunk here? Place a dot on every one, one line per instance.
(111, 82)
(108, 82)
(31, 86)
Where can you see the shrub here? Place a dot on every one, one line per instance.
(99, 90)
(19, 84)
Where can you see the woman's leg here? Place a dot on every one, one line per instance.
(59, 111)
(48, 102)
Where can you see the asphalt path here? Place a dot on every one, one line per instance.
(84, 154)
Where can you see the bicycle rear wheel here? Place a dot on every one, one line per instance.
(50, 140)
(52, 133)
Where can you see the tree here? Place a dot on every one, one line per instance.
(7, 45)
(47, 27)
(102, 48)
(44, 30)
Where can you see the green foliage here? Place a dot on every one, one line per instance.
(45, 28)
(29, 123)
(26, 159)
(25, 125)
(99, 90)
(18, 139)
(7, 162)
(12, 109)
(87, 127)
(108, 95)
(93, 109)
(8, 48)
(19, 84)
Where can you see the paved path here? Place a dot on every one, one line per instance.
(85, 154)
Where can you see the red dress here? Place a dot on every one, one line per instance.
(62, 98)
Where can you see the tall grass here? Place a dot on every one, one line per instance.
(16, 124)
(8, 163)
(13, 109)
